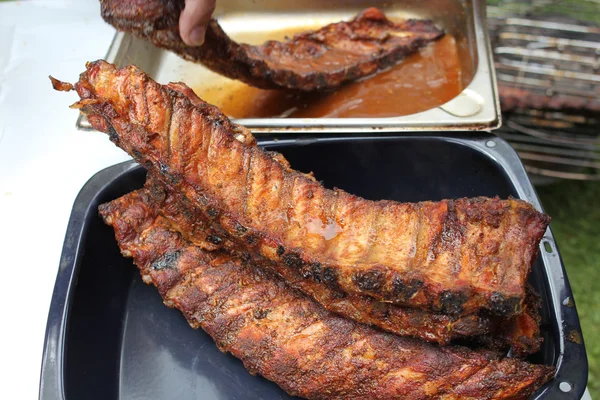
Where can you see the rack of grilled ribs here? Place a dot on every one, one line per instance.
(438, 328)
(513, 99)
(317, 60)
(287, 338)
(456, 257)
(205, 232)
(520, 333)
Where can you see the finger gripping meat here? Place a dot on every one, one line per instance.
(452, 256)
(318, 60)
(289, 339)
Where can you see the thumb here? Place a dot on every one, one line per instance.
(194, 19)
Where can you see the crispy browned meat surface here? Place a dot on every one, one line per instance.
(322, 59)
(285, 337)
(451, 256)
(521, 332)
(437, 328)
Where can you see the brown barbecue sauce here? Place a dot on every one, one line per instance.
(424, 80)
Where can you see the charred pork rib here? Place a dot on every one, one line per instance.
(322, 59)
(519, 333)
(438, 328)
(451, 256)
(289, 339)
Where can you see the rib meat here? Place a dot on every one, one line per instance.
(287, 338)
(519, 333)
(451, 256)
(322, 59)
(437, 328)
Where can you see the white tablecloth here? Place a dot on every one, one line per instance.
(44, 162)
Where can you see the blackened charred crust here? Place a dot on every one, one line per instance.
(521, 332)
(167, 261)
(173, 178)
(316, 271)
(251, 240)
(203, 200)
(158, 193)
(164, 168)
(452, 302)
(405, 290)
(503, 305)
(293, 260)
(240, 229)
(293, 81)
(280, 250)
(330, 276)
(370, 281)
(214, 239)
(187, 213)
(212, 212)
(305, 272)
(114, 137)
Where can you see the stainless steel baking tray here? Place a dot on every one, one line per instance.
(475, 108)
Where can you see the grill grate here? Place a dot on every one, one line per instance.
(548, 71)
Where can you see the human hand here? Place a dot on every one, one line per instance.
(194, 20)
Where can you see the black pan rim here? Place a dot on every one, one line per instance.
(571, 363)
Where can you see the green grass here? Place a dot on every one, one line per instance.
(574, 208)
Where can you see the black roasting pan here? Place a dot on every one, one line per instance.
(110, 337)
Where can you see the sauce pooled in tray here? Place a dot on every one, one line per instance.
(422, 81)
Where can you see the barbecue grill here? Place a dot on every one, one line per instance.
(548, 72)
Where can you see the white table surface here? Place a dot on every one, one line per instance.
(44, 162)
